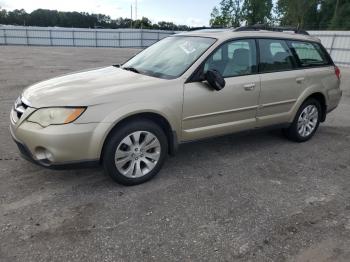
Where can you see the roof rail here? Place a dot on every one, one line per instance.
(207, 28)
(258, 27)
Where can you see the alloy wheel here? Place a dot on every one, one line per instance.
(307, 121)
(137, 154)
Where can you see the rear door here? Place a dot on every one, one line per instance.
(281, 82)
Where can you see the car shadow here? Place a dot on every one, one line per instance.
(207, 154)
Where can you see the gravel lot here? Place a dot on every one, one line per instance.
(246, 197)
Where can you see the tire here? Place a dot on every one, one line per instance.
(304, 117)
(135, 152)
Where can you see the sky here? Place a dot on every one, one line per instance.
(188, 12)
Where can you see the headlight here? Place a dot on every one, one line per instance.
(55, 115)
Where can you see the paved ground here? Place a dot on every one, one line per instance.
(251, 197)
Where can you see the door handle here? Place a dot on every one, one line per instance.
(300, 80)
(249, 87)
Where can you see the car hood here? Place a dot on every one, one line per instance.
(86, 88)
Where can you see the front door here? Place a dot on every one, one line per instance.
(207, 112)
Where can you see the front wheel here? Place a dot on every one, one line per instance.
(305, 122)
(135, 152)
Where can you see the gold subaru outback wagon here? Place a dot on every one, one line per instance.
(189, 86)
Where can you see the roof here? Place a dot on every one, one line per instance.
(225, 34)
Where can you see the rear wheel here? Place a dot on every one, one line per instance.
(305, 122)
(135, 152)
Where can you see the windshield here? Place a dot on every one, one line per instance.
(170, 57)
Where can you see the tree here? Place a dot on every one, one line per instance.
(257, 11)
(216, 18)
(306, 14)
(3, 16)
(340, 19)
(302, 13)
(167, 25)
(144, 23)
(44, 17)
(17, 17)
(229, 14)
(315, 14)
(326, 13)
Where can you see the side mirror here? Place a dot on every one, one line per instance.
(215, 79)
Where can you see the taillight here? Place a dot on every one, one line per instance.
(337, 72)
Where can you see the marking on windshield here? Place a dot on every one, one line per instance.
(188, 48)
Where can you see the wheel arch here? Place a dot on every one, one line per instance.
(322, 99)
(151, 116)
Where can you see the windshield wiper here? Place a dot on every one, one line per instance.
(132, 69)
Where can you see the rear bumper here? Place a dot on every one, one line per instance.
(334, 97)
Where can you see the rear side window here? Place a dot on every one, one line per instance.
(275, 56)
(310, 54)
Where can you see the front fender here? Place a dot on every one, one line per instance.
(114, 117)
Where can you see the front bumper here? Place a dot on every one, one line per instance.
(59, 146)
(25, 153)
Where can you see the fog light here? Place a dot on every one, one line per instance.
(43, 154)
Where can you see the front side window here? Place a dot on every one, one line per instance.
(170, 57)
(275, 55)
(234, 58)
(309, 54)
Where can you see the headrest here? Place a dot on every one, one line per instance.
(281, 57)
(241, 57)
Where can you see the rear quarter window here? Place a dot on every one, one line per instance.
(310, 54)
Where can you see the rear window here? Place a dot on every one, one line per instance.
(310, 54)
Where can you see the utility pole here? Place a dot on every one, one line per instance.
(135, 9)
(131, 16)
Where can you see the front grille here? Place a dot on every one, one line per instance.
(20, 107)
